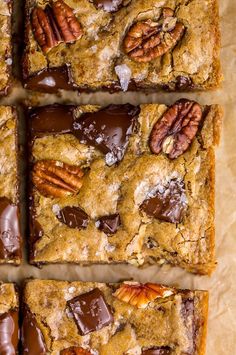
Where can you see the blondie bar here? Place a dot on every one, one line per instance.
(9, 329)
(10, 240)
(121, 45)
(123, 184)
(5, 45)
(75, 318)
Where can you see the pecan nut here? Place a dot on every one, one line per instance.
(56, 179)
(140, 295)
(74, 350)
(68, 24)
(147, 40)
(175, 131)
(43, 30)
(55, 24)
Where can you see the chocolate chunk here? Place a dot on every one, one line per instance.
(50, 80)
(108, 130)
(183, 83)
(90, 311)
(73, 217)
(187, 312)
(36, 233)
(109, 224)
(9, 230)
(157, 350)
(32, 337)
(51, 119)
(108, 5)
(167, 203)
(9, 334)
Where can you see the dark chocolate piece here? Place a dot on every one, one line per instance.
(73, 217)
(50, 80)
(109, 224)
(183, 83)
(9, 230)
(167, 203)
(9, 333)
(108, 130)
(32, 337)
(90, 311)
(36, 233)
(157, 350)
(108, 5)
(51, 119)
(187, 311)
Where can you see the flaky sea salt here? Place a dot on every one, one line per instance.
(48, 81)
(110, 159)
(110, 248)
(71, 289)
(124, 74)
(56, 209)
(8, 61)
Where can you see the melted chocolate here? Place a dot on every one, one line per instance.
(9, 333)
(109, 224)
(90, 311)
(108, 130)
(32, 337)
(51, 119)
(73, 217)
(36, 233)
(108, 5)
(50, 80)
(157, 350)
(9, 230)
(168, 203)
(187, 312)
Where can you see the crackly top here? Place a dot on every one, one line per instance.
(70, 318)
(177, 46)
(97, 200)
(10, 245)
(5, 45)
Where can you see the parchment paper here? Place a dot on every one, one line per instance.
(222, 284)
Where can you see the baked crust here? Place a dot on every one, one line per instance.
(94, 60)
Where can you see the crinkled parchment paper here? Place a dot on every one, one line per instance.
(222, 284)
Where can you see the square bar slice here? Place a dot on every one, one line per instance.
(9, 314)
(124, 184)
(10, 240)
(90, 45)
(112, 319)
(5, 45)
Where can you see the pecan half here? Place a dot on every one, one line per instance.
(175, 131)
(43, 29)
(55, 24)
(147, 40)
(140, 295)
(74, 350)
(56, 179)
(68, 24)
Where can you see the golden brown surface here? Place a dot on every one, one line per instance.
(5, 45)
(8, 297)
(161, 323)
(8, 159)
(98, 57)
(121, 189)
